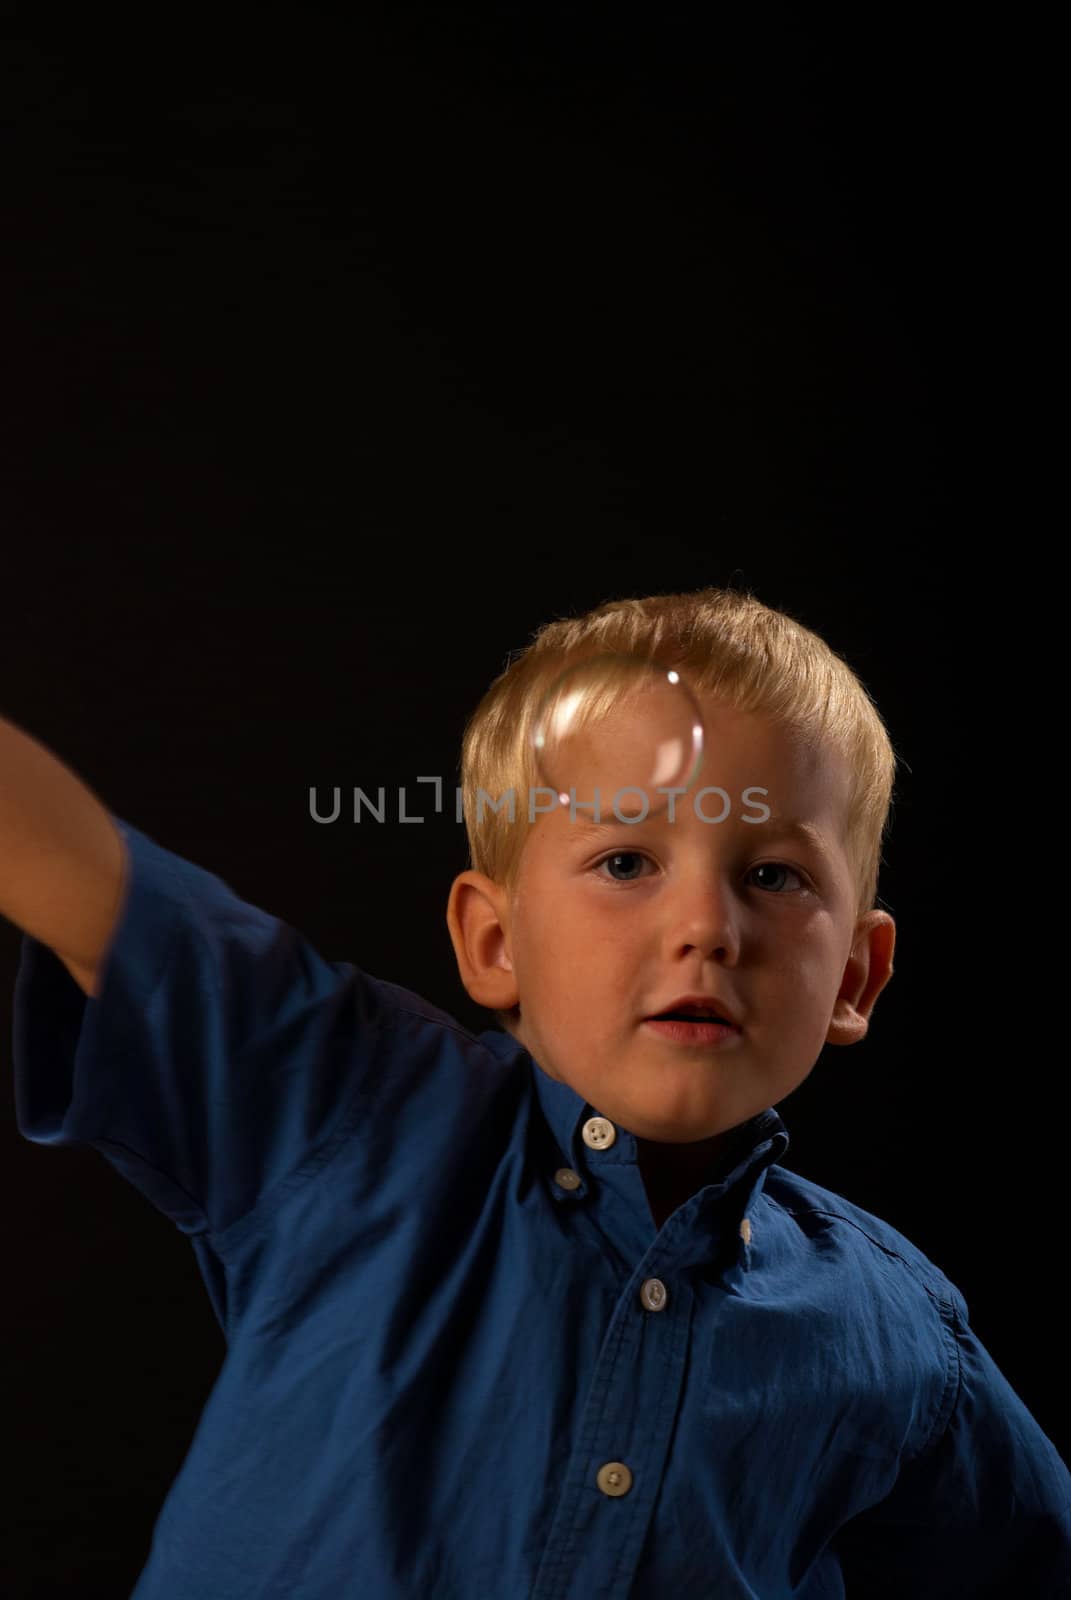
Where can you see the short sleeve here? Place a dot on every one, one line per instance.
(985, 1512)
(220, 1059)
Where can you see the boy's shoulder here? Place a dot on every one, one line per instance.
(869, 1242)
(403, 1003)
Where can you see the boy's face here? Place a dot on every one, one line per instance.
(603, 930)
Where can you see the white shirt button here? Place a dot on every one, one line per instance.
(653, 1294)
(566, 1178)
(599, 1133)
(614, 1478)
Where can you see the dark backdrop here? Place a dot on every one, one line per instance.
(340, 355)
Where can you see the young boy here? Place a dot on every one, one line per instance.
(535, 1313)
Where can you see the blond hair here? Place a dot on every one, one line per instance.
(725, 642)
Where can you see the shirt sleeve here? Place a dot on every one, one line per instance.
(983, 1513)
(221, 1059)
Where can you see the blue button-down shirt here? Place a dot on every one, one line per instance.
(461, 1363)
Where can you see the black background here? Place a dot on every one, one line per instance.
(341, 353)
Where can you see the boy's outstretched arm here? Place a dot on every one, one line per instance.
(62, 860)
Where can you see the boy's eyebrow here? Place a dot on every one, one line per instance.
(809, 832)
(778, 826)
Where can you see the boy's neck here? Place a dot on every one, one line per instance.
(672, 1173)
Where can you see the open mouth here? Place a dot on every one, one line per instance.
(690, 1016)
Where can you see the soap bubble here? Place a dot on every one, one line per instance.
(614, 730)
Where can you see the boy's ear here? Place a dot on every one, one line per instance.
(868, 970)
(477, 915)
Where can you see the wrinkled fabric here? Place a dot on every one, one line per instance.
(451, 1374)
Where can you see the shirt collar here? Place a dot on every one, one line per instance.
(760, 1141)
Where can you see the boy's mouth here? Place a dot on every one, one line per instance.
(695, 1009)
(689, 1016)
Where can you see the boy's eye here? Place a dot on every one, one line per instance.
(621, 855)
(636, 856)
(779, 866)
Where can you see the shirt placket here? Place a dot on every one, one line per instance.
(613, 1475)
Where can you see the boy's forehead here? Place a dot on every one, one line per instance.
(798, 775)
(772, 807)
(732, 728)
(810, 773)
(765, 778)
